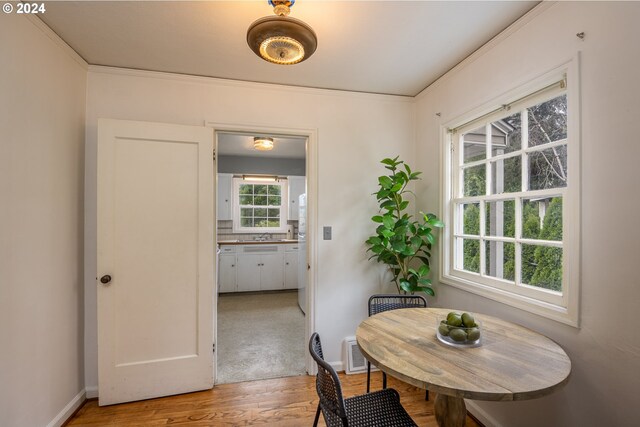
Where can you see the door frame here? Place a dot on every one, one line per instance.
(311, 173)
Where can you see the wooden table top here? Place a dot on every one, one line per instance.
(513, 362)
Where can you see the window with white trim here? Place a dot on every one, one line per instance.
(259, 206)
(510, 197)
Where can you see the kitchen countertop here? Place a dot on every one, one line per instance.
(257, 242)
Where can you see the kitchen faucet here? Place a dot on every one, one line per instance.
(262, 237)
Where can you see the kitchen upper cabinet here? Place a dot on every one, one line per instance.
(224, 199)
(227, 274)
(297, 186)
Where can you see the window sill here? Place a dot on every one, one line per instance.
(541, 308)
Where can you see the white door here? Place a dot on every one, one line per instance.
(155, 241)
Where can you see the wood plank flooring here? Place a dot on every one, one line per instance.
(282, 402)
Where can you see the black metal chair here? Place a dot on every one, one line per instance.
(380, 409)
(385, 302)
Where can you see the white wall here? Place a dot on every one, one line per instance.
(355, 131)
(605, 351)
(42, 117)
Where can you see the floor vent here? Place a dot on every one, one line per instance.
(355, 362)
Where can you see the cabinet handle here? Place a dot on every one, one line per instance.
(286, 263)
(233, 265)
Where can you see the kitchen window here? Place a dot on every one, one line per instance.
(259, 207)
(511, 204)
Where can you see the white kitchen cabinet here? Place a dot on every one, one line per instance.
(249, 272)
(297, 186)
(291, 270)
(227, 274)
(260, 268)
(271, 274)
(224, 199)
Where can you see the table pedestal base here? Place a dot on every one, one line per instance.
(450, 411)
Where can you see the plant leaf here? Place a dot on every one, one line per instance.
(430, 238)
(424, 281)
(385, 182)
(374, 240)
(377, 218)
(427, 290)
(405, 285)
(387, 233)
(388, 221)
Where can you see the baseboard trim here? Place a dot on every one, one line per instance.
(338, 366)
(92, 392)
(481, 415)
(69, 410)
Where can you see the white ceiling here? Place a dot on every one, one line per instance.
(242, 145)
(392, 47)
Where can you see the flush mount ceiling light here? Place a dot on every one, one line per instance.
(280, 39)
(262, 143)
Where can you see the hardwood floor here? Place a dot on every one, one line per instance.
(282, 402)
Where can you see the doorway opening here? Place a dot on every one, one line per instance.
(262, 267)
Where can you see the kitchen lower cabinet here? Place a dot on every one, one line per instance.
(291, 270)
(260, 268)
(227, 274)
(271, 275)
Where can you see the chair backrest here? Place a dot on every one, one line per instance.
(385, 302)
(328, 387)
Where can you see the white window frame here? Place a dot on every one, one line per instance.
(564, 306)
(284, 204)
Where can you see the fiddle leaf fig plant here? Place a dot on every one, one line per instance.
(402, 242)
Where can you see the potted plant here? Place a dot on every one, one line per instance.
(402, 242)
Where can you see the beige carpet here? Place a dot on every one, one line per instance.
(260, 336)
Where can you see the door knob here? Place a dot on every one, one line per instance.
(105, 279)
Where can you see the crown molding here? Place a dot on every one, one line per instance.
(217, 81)
(38, 23)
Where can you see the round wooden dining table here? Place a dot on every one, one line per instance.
(512, 362)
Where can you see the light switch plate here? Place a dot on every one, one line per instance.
(326, 233)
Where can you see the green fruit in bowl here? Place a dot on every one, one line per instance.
(468, 321)
(473, 334)
(443, 329)
(458, 335)
(454, 319)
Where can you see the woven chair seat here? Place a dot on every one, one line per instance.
(378, 409)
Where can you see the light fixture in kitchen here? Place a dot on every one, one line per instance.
(281, 39)
(260, 178)
(262, 143)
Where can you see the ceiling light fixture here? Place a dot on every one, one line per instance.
(260, 178)
(280, 39)
(262, 143)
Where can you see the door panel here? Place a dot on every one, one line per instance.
(155, 238)
(228, 273)
(291, 270)
(248, 272)
(271, 274)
